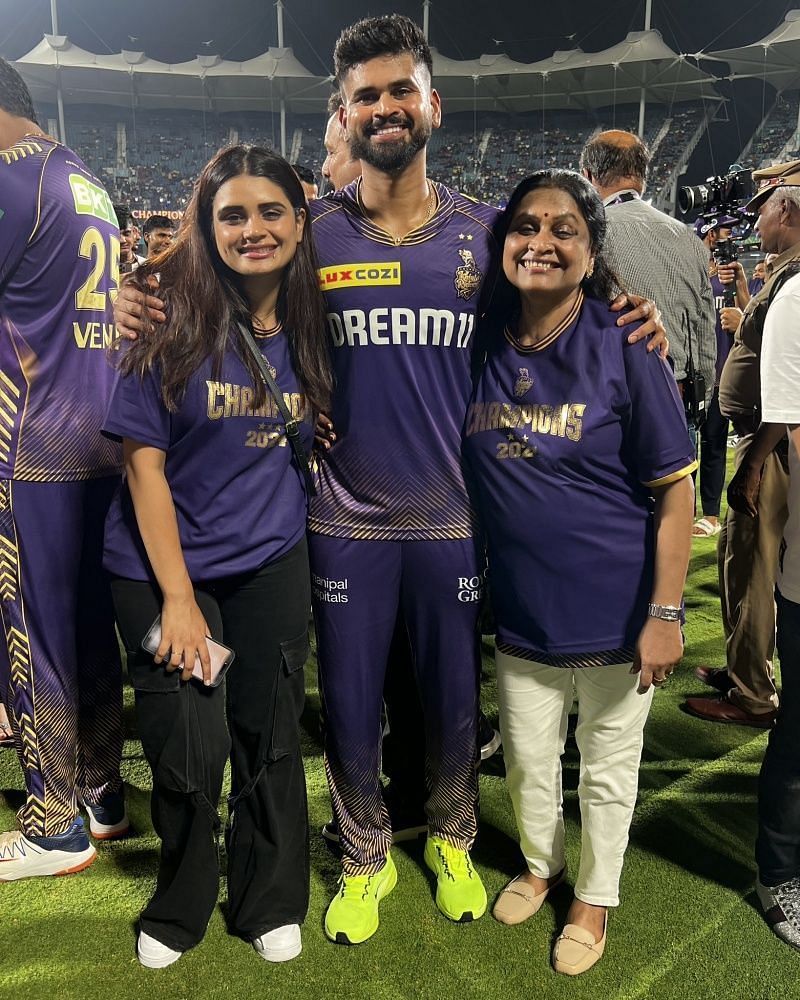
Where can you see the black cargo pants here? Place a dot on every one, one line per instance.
(263, 617)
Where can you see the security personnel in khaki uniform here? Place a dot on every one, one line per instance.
(751, 535)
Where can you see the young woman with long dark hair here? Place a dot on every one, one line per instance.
(582, 460)
(209, 533)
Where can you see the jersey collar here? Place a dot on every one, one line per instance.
(445, 206)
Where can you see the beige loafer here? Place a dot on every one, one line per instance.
(517, 901)
(576, 950)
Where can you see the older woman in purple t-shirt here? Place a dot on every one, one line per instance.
(208, 533)
(578, 442)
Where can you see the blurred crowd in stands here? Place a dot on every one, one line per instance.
(149, 159)
(775, 140)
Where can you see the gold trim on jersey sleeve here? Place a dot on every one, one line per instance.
(39, 193)
(673, 477)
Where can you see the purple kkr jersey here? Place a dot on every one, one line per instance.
(59, 269)
(566, 441)
(239, 498)
(401, 319)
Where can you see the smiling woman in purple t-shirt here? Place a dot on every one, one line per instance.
(578, 443)
(209, 532)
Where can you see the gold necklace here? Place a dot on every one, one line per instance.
(431, 205)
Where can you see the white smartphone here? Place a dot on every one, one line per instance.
(221, 656)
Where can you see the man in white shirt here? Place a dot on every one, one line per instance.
(778, 843)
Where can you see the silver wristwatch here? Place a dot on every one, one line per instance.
(667, 612)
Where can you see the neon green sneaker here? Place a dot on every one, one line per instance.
(459, 891)
(352, 915)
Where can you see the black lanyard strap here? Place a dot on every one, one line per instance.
(292, 424)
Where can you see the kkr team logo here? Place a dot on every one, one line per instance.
(468, 277)
(523, 384)
(271, 369)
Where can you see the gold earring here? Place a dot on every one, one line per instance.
(590, 269)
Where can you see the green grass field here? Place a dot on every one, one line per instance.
(688, 927)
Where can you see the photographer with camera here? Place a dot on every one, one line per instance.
(729, 289)
(751, 535)
(660, 258)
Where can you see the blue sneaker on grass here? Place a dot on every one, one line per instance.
(108, 820)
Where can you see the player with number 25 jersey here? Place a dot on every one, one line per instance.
(59, 666)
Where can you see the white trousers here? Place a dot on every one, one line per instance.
(535, 700)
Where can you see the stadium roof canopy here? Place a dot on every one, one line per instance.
(127, 78)
(775, 58)
(570, 79)
(575, 79)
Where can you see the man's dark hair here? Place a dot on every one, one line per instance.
(389, 35)
(124, 217)
(305, 174)
(607, 161)
(157, 222)
(15, 98)
(334, 102)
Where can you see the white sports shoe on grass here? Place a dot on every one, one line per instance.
(280, 945)
(153, 954)
(27, 857)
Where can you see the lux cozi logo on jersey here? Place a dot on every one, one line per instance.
(91, 199)
(360, 275)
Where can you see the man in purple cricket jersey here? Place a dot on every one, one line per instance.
(59, 257)
(403, 261)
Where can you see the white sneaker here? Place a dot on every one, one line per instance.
(280, 945)
(153, 954)
(23, 857)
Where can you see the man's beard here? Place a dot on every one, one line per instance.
(390, 156)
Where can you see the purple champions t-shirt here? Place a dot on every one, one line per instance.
(238, 494)
(59, 268)
(724, 340)
(564, 442)
(401, 319)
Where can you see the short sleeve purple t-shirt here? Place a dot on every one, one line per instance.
(401, 319)
(59, 267)
(239, 497)
(565, 443)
